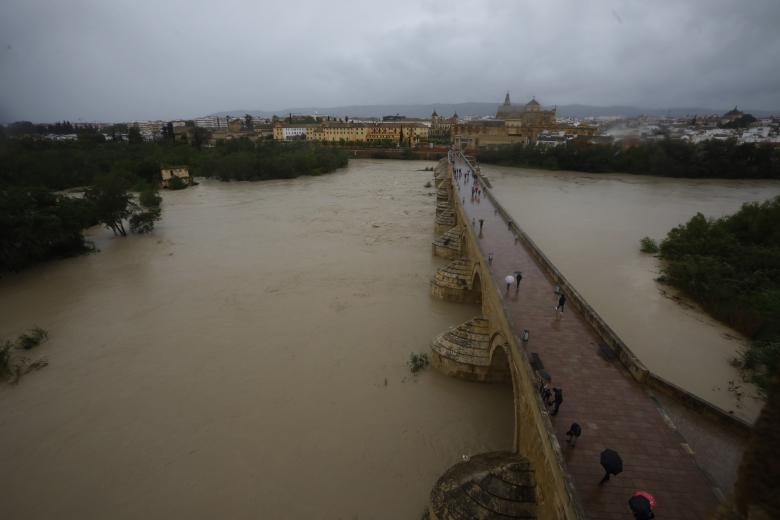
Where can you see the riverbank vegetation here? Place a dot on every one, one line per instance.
(711, 159)
(731, 267)
(13, 365)
(243, 160)
(115, 183)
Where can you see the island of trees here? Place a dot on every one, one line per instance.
(115, 183)
(731, 267)
(710, 159)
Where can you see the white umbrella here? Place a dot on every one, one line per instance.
(509, 279)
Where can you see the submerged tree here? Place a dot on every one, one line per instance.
(114, 203)
(149, 212)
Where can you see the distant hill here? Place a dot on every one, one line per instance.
(483, 109)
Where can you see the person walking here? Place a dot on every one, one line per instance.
(561, 303)
(641, 507)
(473, 222)
(612, 464)
(490, 258)
(575, 430)
(509, 280)
(518, 277)
(481, 223)
(557, 400)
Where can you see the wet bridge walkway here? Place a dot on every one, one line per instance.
(613, 409)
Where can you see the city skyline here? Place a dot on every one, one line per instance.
(120, 62)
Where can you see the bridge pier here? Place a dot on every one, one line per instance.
(449, 245)
(445, 219)
(465, 352)
(489, 485)
(456, 282)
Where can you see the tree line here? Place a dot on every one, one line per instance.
(117, 185)
(665, 158)
(731, 267)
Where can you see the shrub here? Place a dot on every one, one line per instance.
(32, 339)
(648, 245)
(418, 362)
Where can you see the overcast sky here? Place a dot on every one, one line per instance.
(112, 60)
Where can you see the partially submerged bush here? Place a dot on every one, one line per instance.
(418, 362)
(32, 339)
(5, 359)
(13, 366)
(648, 245)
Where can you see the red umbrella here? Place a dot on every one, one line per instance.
(650, 498)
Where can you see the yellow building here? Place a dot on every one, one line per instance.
(332, 132)
(180, 172)
(413, 133)
(338, 132)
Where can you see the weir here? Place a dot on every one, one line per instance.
(518, 337)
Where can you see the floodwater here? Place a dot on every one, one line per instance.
(246, 360)
(589, 225)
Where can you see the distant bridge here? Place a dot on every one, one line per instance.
(605, 387)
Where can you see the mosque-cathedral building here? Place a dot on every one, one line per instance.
(514, 124)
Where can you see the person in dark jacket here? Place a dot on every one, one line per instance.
(575, 430)
(561, 303)
(640, 506)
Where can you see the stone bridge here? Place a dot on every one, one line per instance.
(518, 337)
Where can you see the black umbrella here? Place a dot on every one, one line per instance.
(611, 462)
(640, 506)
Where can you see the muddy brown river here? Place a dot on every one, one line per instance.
(590, 225)
(247, 360)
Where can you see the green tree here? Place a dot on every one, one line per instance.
(112, 201)
(167, 132)
(147, 213)
(36, 224)
(200, 136)
(134, 135)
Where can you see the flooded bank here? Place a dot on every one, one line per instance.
(590, 225)
(246, 360)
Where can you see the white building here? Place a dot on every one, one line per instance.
(212, 122)
(293, 132)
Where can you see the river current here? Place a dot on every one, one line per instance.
(589, 225)
(246, 360)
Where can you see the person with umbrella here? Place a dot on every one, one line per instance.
(575, 430)
(509, 280)
(612, 464)
(642, 504)
(518, 277)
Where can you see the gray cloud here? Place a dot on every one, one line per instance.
(124, 60)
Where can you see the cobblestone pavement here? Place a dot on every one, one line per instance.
(614, 411)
